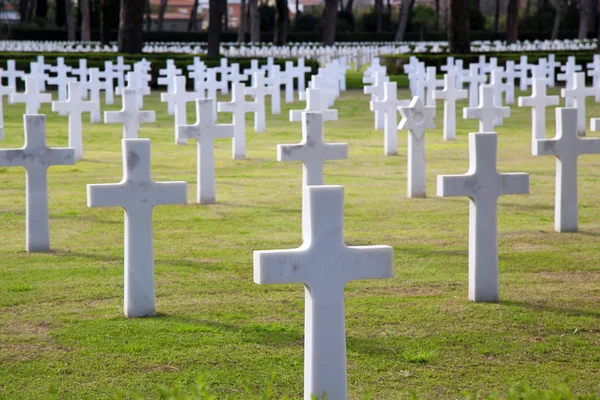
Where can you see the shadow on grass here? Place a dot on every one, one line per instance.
(549, 308)
(273, 334)
(157, 261)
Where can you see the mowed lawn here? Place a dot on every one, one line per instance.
(62, 327)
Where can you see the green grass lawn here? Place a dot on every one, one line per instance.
(61, 318)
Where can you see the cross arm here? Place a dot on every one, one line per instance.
(223, 130)
(369, 262)
(146, 116)
(291, 152)
(106, 195)
(545, 147)
(515, 183)
(113, 117)
(279, 266)
(186, 132)
(170, 192)
(457, 185)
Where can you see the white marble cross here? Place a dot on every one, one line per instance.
(552, 64)
(32, 97)
(259, 91)
(376, 92)
(167, 78)
(82, 76)
(4, 91)
(223, 71)
(138, 194)
(120, 69)
(486, 112)
(416, 118)
(12, 74)
(135, 83)
(274, 83)
(74, 107)
(568, 76)
(389, 106)
(205, 131)
(475, 80)
(483, 184)
(288, 80)
(36, 157)
(94, 86)
(510, 74)
(179, 98)
(211, 85)
(567, 146)
(450, 94)
(249, 72)
(315, 101)
(129, 115)
(497, 82)
(238, 106)
(312, 150)
(108, 85)
(431, 84)
(578, 92)
(324, 264)
(538, 101)
(524, 69)
(61, 79)
(300, 70)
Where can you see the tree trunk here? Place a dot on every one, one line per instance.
(41, 9)
(161, 15)
(497, 17)
(349, 5)
(85, 20)
(437, 19)
(477, 4)
(379, 15)
(242, 25)
(404, 12)
(30, 7)
(193, 17)
(214, 28)
(254, 21)
(59, 15)
(23, 10)
(148, 16)
(329, 22)
(131, 23)
(225, 16)
(512, 21)
(586, 8)
(389, 7)
(561, 7)
(528, 8)
(104, 28)
(69, 20)
(459, 32)
(598, 39)
(281, 22)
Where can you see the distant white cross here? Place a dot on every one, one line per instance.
(138, 194)
(567, 146)
(12, 74)
(483, 184)
(416, 118)
(167, 78)
(474, 79)
(389, 106)
(238, 106)
(376, 92)
(74, 107)
(324, 264)
(259, 91)
(315, 101)
(450, 94)
(538, 101)
(179, 98)
(578, 92)
(36, 157)
(121, 68)
(205, 131)
(32, 97)
(129, 115)
(486, 112)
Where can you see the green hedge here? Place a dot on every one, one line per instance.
(395, 63)
(96, 60)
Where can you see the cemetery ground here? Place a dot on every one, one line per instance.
(62, 327)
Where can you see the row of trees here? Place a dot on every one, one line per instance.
(460, 14)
